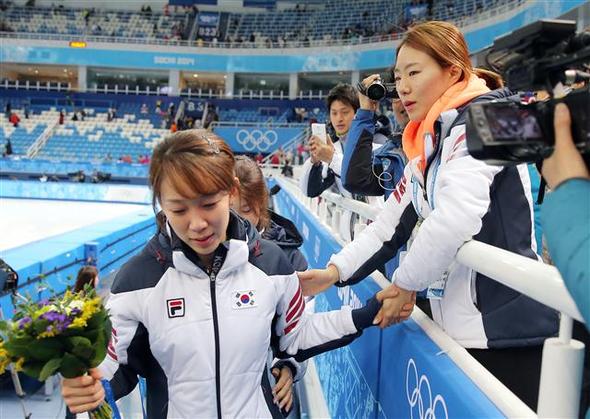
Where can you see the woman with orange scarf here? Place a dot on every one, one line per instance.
(455, 198)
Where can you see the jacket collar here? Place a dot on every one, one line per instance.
(231, 254)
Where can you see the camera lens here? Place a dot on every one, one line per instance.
(376, 91)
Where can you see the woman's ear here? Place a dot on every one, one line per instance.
(456, 73)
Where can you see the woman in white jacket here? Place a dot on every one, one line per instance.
(196, 311)
(456, 198)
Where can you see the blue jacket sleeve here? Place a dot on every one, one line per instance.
(566, 225)
(357, 164)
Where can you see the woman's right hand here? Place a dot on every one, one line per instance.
(364, 101)
(85, 393)
(315, 281)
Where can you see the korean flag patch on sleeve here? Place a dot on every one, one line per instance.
(244, 299)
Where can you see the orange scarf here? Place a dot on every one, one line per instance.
(455, 96)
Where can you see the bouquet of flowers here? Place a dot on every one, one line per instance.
(66, 335)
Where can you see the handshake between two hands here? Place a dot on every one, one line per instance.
(397, 304)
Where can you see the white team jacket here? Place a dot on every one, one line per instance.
(461, 199)
(201, 339)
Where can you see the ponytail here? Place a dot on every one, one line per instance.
(493, 80)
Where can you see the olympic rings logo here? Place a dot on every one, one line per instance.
(256, 139)
(422, 389)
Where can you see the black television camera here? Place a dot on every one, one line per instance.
(378, 90)
(8, 278)
(545, 55)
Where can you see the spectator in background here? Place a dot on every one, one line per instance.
(26, 110)
(275, 160)
(322, 170)
(8, 110)
(144, 109)
(8, 147)
(259, 158)
(287, 169)
(61, 117)
(14, 119)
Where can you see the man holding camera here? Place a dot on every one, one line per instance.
(368, 172)
(323, 169)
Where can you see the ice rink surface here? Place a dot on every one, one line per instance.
(25, 221)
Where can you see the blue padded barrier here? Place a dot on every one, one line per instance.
(137, 172)
(129, 194)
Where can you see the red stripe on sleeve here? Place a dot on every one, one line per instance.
(298, 314)
(295, 298)
(290, 327)
(294, 309)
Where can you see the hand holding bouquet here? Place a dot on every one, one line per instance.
(67, 335)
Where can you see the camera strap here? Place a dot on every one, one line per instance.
(542, 184)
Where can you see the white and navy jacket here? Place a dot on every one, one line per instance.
(458, 199)
(201, 337)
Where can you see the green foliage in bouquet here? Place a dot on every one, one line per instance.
(67, 335)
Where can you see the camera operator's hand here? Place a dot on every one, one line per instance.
(565, 162)
(365, 102)
(321, 151)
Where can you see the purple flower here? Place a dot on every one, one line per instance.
(52, 316)
(75, 312)
(23, 322)
(64, 325)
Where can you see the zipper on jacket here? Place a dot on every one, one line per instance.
(212, 277)
(431, 159)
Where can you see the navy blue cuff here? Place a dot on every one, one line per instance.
(363, 317)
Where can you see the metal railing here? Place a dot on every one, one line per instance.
(563, 357)
(185, 93)
(34, 149)
(290, 145)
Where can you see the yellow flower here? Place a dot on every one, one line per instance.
(78, 322)
(41, 311)
(18, 365)
(4, 359)
(88, 310)
(48, 333)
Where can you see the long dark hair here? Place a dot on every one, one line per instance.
(253, 189)
(86, 275)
